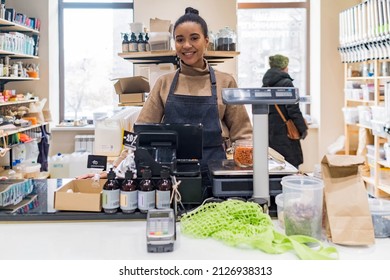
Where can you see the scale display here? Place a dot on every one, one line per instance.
(264, 95)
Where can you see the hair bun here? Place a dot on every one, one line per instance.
(191, 10)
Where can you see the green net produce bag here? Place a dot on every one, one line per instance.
(239, 223)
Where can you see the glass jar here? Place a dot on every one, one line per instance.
(226, 40)
(211, 46)
(243, 153)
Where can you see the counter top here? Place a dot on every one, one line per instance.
(44, 233)
(125, 240)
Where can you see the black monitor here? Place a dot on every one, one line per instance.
(189, 137)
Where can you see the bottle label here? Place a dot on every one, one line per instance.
(163, 199)
(129, 200)
(125, 47)
(110, 199)
(146, 200)
(141, 47)
(133, 47)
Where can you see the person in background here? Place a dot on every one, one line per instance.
(193, 94)
(277, 76)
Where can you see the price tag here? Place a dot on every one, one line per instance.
(130, 139)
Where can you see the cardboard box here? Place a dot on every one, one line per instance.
(83, 197)
(160, 25)
(134, 84)
(132, 98)
(160, 41)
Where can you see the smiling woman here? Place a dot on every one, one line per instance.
(191, 38)
(193, 93)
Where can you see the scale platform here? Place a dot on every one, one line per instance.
(231, 180)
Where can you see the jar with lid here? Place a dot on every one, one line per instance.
(243, 153)
(226, 40)
(211, 46)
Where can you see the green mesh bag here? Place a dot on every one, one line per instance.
(239, 223)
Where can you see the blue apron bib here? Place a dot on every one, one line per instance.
(198, 109)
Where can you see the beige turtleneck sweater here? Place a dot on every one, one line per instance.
(234, 119)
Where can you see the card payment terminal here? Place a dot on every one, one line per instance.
(160, 230)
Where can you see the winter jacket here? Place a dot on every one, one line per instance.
(278, 140)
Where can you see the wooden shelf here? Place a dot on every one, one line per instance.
(6, 25)
(10, 103)
(15, 79)
(169, 56)
(13, 131)
(361, 101)
(17, 55)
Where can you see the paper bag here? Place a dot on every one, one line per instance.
(348, 219)
(36, 110)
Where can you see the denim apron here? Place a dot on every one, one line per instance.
(198, 109)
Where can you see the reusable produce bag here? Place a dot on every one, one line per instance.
(348, 219)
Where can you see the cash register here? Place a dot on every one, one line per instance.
(177, 146)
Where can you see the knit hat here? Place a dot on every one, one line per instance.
(278, 61)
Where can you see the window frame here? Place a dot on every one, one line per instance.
(77, 5)
(284, 5)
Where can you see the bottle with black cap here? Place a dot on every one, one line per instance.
(163, 190)
(111, 193)
(146, 192)
(129, 194)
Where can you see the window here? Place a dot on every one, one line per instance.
(266, 28)
(90, 40)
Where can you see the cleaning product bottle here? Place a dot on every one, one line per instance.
(128, 194)
(146, 192)
(141, 43)
(163, 191)
(133, 44)
(147, 44)
(125, 42)
(111, 193)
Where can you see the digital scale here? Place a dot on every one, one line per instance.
(260, 99)
(160, 230)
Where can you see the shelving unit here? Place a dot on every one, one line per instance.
(8, 26)
(373, 99)
(364, 35)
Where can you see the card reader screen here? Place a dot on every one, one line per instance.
(159, 215)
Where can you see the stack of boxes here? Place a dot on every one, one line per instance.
(131, 90)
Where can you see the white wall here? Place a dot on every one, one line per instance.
(327, 74)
